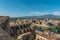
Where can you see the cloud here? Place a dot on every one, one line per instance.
(56, 13)
(45, 13)
(39, 13)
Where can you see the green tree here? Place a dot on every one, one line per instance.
(17, 39)
(58, 28)
(31, 38)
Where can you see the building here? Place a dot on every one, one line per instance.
(4, 35)
(4, 22)
(22, 21)
(16, 30)
(46, 35)
(4, 28)
(8, 31)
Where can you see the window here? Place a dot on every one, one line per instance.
(24, 26)
(21, 27)
(40, 38)
(37, 39)
(43, 39)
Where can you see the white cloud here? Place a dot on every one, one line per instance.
(56, 13)
(39, 13)
(45, 13)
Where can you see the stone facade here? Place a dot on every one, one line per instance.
(4, 28)
(4, 35)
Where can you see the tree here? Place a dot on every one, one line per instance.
(17, 39)
(31, 37)
(58, 28)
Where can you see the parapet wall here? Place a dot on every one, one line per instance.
(4, 35)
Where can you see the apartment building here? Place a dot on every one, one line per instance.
(46, 35)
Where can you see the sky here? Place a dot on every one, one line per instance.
(20, 8)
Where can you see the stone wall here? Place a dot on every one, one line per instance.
(4, 35)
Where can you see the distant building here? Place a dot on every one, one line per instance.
(49, 24)
(46, 35)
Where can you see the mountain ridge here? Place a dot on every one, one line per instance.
(40, 17)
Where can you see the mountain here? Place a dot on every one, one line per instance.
(50, 16)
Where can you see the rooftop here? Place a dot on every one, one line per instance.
(3, 18)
